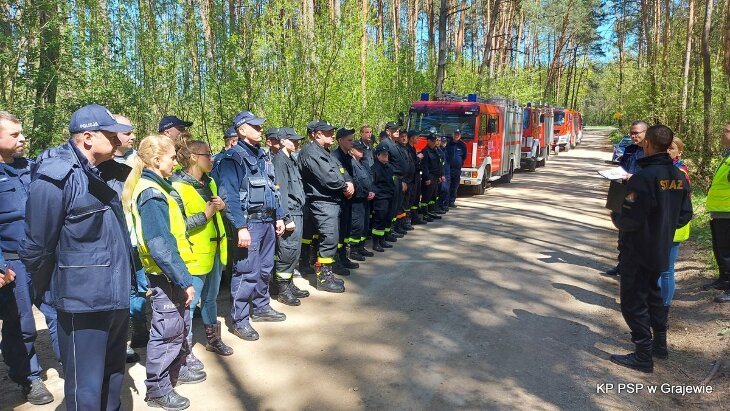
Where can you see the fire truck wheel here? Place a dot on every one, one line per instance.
(507, 178)
(481, 188)
(544, 153)
(533, 164)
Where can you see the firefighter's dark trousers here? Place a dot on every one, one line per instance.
(288, 249)
(323, 218)
(641, 302)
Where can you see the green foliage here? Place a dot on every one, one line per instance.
(700, 231)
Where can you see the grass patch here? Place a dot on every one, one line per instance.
(616, 136)
(701, 235)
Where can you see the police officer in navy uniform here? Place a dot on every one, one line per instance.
(288, 246)
(173, 127)
(456, 153)
(657, 203)
(230, 138)
(77, 246)
(16, 306)
(324, 187)
(246, 183)
(345, 140)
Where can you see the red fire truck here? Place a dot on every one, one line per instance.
(568, 129)
(491, 129)
(537, 136)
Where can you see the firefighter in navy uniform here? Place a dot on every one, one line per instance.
(76, 233)
(291, 189)
(414, 192)
(361, 176)
(403, 219)
(16, 302)
(324, 186)
(246, 183)
(432, 174)
(345, 140)
(657, 203)
(398, 162)
(384, 187)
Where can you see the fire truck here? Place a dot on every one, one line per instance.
(537, 136)
(490, 128)
(568, 129)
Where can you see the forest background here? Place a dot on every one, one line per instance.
(364, 61)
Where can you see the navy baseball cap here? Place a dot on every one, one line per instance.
(379, 149)
(344, 132)
(230, 133)
(95, 118)
(247, 117)
(457, 131)
(290, 134)
(391, 124)
(172, 121)
(274, 133)
(320, 125)
(359, 145)
(432, 136)
(412, 133)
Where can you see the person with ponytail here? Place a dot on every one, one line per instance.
(159, 222)
(208, 238)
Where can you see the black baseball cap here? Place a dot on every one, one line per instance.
(359, 145)
(391, 124)
(274, 133)
(230, 133)
(168, 122)
(95, 117)
(380, 148)
(319, 125)
(290, 134)
(247, 117)
(344, 132)
(432, 136)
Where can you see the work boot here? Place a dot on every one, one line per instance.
(639, 360)
(723, 298)
(613, 271)
(376, 245)
(397, 234)
(36, 393)
(416, 219)
(356, 255)
(407, 223)
(384, 243)
(390, 237)
(245, 332)
(659, 346)
(719, 284)
(215, 343)
(140, 334)
(339, 269)
(132, 356)
(325, 280)
(172, 402)
(297, 292)
(191, 360)
(344, 261)
(271, 315)
(190, 376)
(364, 251)
(285, 295)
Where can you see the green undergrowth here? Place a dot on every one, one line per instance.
(701, 235)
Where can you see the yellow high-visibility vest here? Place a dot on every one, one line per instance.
(718, 198)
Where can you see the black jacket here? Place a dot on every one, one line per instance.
(395, 156)
(290, 183)
(431, 164)
(383, 180)
(323, 176)
(657, 203)
(409, 172)
(362, 179)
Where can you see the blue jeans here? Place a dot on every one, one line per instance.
(138, 300)
(206, 289)
(666, 279)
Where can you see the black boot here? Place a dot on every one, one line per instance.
(304, 260)
(724, 297)
(364, 251)
(390, 237)
(659, 348)
(416, 219)
(297, 292)
(191, 360)
(132, 357)
(268, 316)
(613, 271)
(407, 223)
(355, 254)
(188, 376)
(427, 218)
(376, 245)
(719, 284)
(140, 334)
(340, 269)
(172, 402)
(36, 393)
(215, 343)
(384, 243)
(325, 280)
(639, 360)
(285, 294)
(344, 261)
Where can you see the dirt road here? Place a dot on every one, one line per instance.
(499, 306)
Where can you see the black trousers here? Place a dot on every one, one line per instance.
(721, 245)
(641, 302)
(323, 218)
(360, 215)
(396, 205)
(381, 216)
(288, 249)
(345, 222)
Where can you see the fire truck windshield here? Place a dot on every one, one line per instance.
(559, 118)
(443, 122)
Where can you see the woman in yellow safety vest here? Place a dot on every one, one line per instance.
(207, 236)
(666, 279)
(159, 223)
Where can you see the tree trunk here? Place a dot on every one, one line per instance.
(380, 28)
(46, 85)
(726, 44)
(707, 94)
(559, 44)
(687, 60)
(205, 6)
(441, 67)
(430, 16)
(460, 32)
(396, 23)
(487, 59)
(364, 55)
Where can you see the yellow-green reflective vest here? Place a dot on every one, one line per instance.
(177, 229)
(718, 198)
(682, 234)
(205, 240)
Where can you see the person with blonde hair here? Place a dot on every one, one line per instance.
(158, 217)
(208, 238)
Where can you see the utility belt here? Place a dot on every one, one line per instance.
(261, 216)
(10, 256)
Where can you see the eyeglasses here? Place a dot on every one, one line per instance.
(204, 154)
(636, 133)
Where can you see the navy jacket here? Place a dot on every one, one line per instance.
(383, 181)
(367, 155)
(409, 171)
(657, 203)
(14, 182)
(456, 155)
(630, 159)
(362, 179)
(76, 244)
(431, 164)
(323, 176)
(395, 156)
(290, 184)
